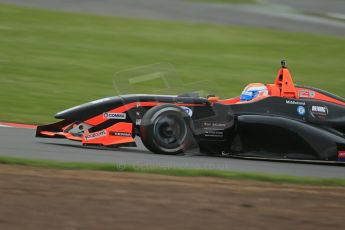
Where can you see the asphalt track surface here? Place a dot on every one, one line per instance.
(307, 16)
(19, 142)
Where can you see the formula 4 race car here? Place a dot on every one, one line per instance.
(273, 121)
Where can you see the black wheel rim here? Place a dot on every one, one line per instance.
(170, 131)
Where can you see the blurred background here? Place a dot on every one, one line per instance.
(55, 54)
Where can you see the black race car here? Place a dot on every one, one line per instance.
(277, 121)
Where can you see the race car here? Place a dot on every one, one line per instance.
(270, 121)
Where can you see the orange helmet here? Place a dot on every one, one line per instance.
(253, 91)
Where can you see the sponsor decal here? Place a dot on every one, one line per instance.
(213, 133)
(341, 154)
(119, 116)
(207, 124)
(187, 110)
(121, 134)
(301, 110)
(319, 112)
(98, 134)
(306, 93)
(214, 124)
(292, 102)
(319, 109)
(214, 129)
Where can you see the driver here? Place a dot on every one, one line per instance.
(253, 91)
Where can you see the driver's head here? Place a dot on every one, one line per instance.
(253, 91)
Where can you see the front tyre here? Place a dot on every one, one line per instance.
(165, 130)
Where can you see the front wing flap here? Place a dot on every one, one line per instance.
(118, 134)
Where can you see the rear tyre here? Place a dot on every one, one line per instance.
(165, 130)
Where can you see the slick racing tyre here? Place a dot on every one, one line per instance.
(165, 130)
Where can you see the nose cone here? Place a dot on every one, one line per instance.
(88, 110)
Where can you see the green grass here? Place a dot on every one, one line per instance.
(172, 171)
(50, 61)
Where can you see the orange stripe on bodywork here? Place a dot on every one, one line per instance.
(47, 133)
(230, 101)
(99, 118)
